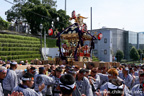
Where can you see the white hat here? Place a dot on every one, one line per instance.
(62, 66)
(126, 69)
(14, 63)
(3, 69)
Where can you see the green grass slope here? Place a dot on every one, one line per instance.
(17, 47)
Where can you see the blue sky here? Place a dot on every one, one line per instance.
(127, 14)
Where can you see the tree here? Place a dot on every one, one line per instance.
(15, 13)
(140, 53)
(47, 15)
(95, 59)
(119, 55)
(134, 54)
(143, 50)
(63, 21)
(36, 13)
(33, 19)
(4, 24)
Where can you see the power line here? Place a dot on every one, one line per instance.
(36, 13)
(9, 2)
(29, 11)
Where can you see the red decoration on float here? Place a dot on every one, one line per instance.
(50, 32)
(100, 36)
(64, 46)
(73, 15)
(84, 28)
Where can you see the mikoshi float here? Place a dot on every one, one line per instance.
(76, 34)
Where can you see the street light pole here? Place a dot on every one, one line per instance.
(41, 45)
(44, 44)
(41, 27)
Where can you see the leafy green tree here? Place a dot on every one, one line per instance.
(143, 50)
(140, 51)
(134, 55)
(36, 13)
(15, 13)
(63, 21)
(4, 24)
(119, 55)
(95, 58)
(35, 20)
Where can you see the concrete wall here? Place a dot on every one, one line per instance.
(52, 52)
(103, 47)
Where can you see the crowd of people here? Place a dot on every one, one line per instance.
(66, 80)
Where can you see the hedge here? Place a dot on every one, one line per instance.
(19, 49)
(20, 57)
(18, 45)
(9, 40)
(18, 37)
(6, 53)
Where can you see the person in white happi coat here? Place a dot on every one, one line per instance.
(10, 81)
(56, 78)
(126, 77)
(27, 83)
(114, 85)
(42, 78)
(83, 84)
(67, 85)
(3, 72)
(94, 80)
(138, 89)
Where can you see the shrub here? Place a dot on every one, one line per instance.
(19, 37)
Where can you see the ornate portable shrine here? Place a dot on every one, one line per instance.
(76, 34)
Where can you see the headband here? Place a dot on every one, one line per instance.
(69, 87)
(27, 79)
(109, 74)
(4, 71)
(112, 86)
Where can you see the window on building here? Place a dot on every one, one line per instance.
(105, 40)
(105, 51)
(95, 52)
(96, 41)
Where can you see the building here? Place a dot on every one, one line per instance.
(140, 44)
(103, 48)
(130, 39)
(116, 39)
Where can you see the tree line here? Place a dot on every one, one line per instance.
(35, 12)
(134, 54)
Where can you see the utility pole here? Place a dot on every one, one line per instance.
(91, 19)
(45, 44)
(41, 27)
(91, 28)
(65, 5)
